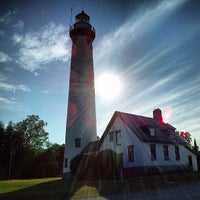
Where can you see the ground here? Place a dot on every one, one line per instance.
(184, 192)
(176, 186)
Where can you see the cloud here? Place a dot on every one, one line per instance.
(2, 33)
(9, 69)
(133, 29)
(19, 25)
(13, 88)
(7, 101)
(36, 74)
(8, 17)
(17, 38)
(47, 45)
(4, 57)
(157, 75)
(3, 77)
(45, 91)
(11, 104)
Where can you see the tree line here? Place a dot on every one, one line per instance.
(25, 150)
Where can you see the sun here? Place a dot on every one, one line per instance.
(108, 86)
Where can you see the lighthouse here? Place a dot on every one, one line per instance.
(81, 115)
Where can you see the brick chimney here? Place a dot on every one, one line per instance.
(157, 115)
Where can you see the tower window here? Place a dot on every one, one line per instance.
(131, 153)
(153, 151)
(66, 162)
(166, 152)
(77, 142)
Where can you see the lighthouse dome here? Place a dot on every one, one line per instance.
(82, 17)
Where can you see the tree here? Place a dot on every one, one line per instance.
(3, 152)
(25, 151)
(187, 137)
(49, 162)
(195, 147)
(9, 149)
(32, 130)
(2, 138)
(19, 144)
(11, 144)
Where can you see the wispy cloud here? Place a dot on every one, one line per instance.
(19, 25)
(8, 17)
(17, 38)
(2, 33)
(4, 57)
(45, 91)
(13, 88)
(9, 69)
(152, 80)
(7, 101)
(138, 25)
(11, 104)
(48, 44)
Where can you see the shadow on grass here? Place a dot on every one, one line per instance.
(73, 189)
(66, 189)
(57, 190)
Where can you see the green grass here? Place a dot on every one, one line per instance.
(58, 189)
(15, 185)
(47, 188)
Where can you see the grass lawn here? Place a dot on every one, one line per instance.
(58, 189)
(15, 185)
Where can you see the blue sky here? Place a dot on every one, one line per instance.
(152, 46)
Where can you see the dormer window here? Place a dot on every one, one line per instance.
(152, 131)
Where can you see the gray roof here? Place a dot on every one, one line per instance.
(91, 147)
(140, 125)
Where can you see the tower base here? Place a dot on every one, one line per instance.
(67, 176)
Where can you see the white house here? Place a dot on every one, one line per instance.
(146, 145)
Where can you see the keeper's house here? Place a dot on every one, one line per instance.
(145, 145)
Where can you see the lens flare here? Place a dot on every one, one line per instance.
(167, 115)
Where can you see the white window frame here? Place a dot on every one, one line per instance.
(111, 136)
(118, 137)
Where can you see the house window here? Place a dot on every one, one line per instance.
(77, 142)
(66, 162)
(153, 151)
(152, 131)
(190, 162)
(177, 153)
(131, 153)
(166, 152)
(111, 136)
(118, 137)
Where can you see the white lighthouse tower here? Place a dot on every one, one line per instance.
(81, 115)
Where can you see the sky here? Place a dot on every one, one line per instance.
(152, 46)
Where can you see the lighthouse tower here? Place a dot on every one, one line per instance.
(81, 116)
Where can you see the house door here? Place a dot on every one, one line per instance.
(190, 162)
